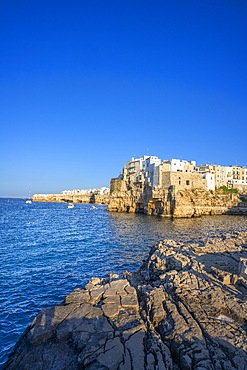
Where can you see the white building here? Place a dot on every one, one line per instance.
(149, 170)
(210, 178)
(151, 167)
(134, 170)
(102, 190)
(172, 165)
(181, 165)
(141, 170)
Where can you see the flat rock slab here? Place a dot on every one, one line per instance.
(185, 308)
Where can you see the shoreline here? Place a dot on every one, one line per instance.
(77, 198)
(185, 307)
(165, 203)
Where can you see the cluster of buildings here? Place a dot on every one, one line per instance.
(95, 191)
(183, 174)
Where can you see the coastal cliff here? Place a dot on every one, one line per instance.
(172, 203)
(185, 308)
(75, 198)
(166, 202)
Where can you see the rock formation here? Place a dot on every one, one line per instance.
(240, 208)
(76, 198)
(173, 203)
(157, 201)
(185, 308)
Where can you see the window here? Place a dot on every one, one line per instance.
(187, 182)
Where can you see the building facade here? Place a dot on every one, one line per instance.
(152, 171)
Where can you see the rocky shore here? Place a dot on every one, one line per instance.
(185, 308)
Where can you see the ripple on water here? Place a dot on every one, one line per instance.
(46, 251)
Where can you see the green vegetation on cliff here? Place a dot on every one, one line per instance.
(229, 190)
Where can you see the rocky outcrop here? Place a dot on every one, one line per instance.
(172, 203)
(240, 208)
(185, 308)
(76, 198)
(200, 202)
(99, 327)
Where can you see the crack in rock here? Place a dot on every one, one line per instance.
(185, 308)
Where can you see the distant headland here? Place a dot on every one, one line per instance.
(97, 195)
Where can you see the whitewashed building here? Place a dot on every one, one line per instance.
(149, 170)
(141, 170)
(181, 165)
(151, 167)
(210, 178)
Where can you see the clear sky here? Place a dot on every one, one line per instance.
(86, 85)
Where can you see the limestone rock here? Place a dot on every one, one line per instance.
(189, 314)
(171, 203)
(243, 267)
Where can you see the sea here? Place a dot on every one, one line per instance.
(47, 250)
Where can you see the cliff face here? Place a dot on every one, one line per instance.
(199, 202)
(172, 203)
(185, 308)
(78, 198)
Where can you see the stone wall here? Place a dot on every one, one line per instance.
(183, 180)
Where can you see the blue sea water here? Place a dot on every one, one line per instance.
(48, 250)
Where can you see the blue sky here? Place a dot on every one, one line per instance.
(86, 85)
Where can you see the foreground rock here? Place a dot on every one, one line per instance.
(184, 309)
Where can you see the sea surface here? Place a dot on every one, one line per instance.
(48, 250)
